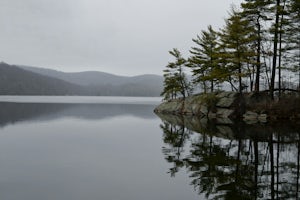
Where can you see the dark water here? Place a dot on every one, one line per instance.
(234, 161)
(124, 151)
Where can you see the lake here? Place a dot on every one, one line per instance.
(117, 148)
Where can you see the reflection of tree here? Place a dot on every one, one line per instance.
(175, 136)
(257, 166)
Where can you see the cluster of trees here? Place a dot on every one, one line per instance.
(258, 45)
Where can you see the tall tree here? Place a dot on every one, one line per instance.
(175, 79)
(275, 47)
(236, 38)
(204, 59)
(256, 12)
(293, 36)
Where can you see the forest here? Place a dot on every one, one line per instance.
(257, 49)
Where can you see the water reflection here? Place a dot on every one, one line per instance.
(11, 113)
(235, 161)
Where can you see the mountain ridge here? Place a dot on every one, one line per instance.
(27, 80)
(86, 78)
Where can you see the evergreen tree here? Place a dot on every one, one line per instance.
(256, 12)
(204, 59)
(293, 37)
(175, 81)
(260, 42)
(236, 38)
(275, 47)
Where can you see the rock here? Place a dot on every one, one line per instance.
(222, 105)
(170, 107)
(223, 94)
(226, 99)
(204, 110)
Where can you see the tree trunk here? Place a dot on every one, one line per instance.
(272, 86)
(258, 63)
(280, 51)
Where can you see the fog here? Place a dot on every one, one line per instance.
(125, 37)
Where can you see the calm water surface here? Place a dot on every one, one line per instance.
(110, 149)
(117, 148)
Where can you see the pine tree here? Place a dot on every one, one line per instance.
(256, 12)
(175, 81)
(275, 47)
(236, 38)
(293, 36)
(204, 59)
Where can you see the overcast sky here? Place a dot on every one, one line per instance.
(125, 37)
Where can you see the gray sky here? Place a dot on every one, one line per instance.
(126, 37)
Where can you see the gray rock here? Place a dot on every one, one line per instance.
(225, 102)
(204, 110)
(226, 99)
(170, 107)
(223, 94)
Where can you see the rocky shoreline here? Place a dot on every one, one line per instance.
(227, 106)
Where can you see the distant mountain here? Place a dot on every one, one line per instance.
(81, 78)
(41, 81)
(96, 78)
(17, 81)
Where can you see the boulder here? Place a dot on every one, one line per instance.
(174, 106)
(226, 99)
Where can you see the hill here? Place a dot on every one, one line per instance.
(26, 80)
(96, 78)
(17, 81)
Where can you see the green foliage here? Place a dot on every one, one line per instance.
(257, 42)
(204, 60)
(175, 80)
(236, 38)
(256, 12)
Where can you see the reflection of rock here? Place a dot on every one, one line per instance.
(230, 129)
(224, 113)
(225, 131)
(250, 117)
(253, 117)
